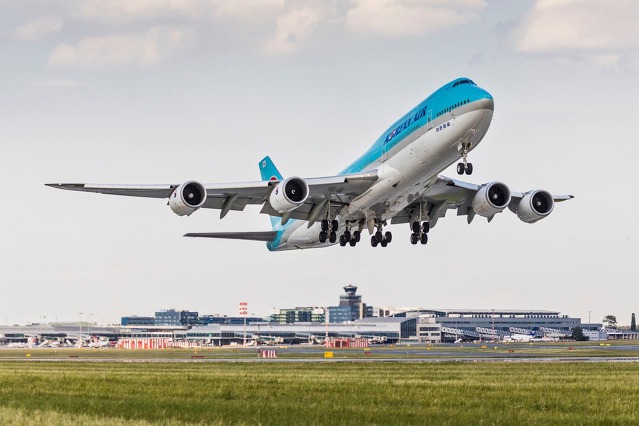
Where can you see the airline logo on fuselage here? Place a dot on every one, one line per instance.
(406, 124)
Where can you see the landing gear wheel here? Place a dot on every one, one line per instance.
(325, 225)
(388, 237)
(352, 243)
(415, 227)
(426, 227)
(332, 237)
(414, 238)
(461, 167)
(469, 168)
(347, 235)
(373, 241)
(342, 241)
(334, 225)
(357, 236)
(384, 243)
(322, 237)
(378, 236)
(424, 239)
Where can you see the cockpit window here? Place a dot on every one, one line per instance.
(466, 81)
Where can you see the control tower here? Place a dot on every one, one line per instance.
(350, 307)
(350, 299)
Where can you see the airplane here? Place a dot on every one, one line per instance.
(396, 180)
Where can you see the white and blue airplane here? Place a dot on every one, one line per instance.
(397, 180)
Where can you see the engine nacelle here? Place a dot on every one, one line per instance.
(535, 205)
(187, 198)
(491, 198)
(289, 194)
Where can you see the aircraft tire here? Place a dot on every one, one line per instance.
(388, 237)
(352, 243)
(415, 227)
(384, 243)
(342, 241)
(324, 225)
(373, 241)
(347, 236)
(414, 238)
(334, 225)
(426, 227)
(424, 239)
(357, 235)
(460, 168)
(379, 236)
(332, 237)
(469, 169)
(322, 237)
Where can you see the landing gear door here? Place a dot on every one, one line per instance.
(429, 119)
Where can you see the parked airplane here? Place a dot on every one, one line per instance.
(396, 180)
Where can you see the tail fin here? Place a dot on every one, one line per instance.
(268, 171)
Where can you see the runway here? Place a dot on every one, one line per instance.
(626, 352)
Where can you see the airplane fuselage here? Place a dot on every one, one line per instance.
(408, 157)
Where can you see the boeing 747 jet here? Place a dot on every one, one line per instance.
(397, 180)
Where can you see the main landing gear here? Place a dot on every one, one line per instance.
(329, 231)
(381, 238)
(420, 232)
(350, 238)
(465, 166)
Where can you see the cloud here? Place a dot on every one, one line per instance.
(125, 10)
(604, 33)
(57, 83)
(147, 32)
(293, 28)
(154, 46)
(38, 28)
(410, 17)
(145, 10)
(247, 11)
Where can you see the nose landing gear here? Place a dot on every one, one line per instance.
(465, 166)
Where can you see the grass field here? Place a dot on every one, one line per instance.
(319, 393)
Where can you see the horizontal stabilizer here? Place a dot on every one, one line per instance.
(253, 236)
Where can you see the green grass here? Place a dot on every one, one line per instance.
(319, 393)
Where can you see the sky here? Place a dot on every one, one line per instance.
(165, 91)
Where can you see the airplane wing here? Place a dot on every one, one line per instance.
(324, 192)
(252, 236)
(446, 194)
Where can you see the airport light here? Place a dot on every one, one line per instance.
(89, 326)
(244, 313)
(80, 338)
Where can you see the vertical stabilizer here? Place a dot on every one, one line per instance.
(268, 171)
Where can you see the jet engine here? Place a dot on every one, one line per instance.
(491, 198)
(535, 205)
(187, 198)
(289, 194)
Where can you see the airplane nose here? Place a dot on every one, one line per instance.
(485, 101)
